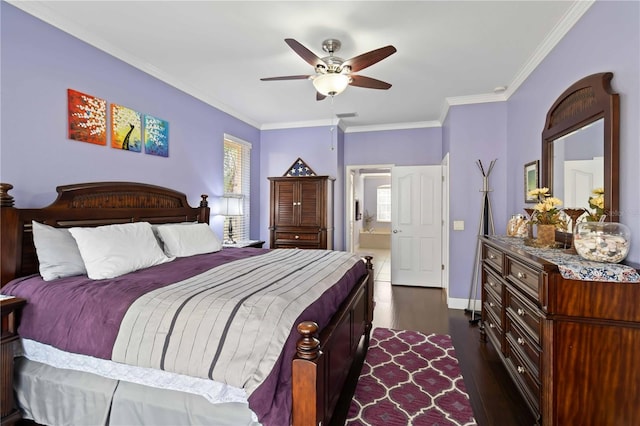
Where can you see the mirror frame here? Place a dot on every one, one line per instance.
(584, 102)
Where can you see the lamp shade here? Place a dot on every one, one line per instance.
(231, 206)
(331, 84)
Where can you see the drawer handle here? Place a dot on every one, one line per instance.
(492, 304)
(492, 256)
(521, 312)
(522, 275)
(297, 237)
(492, 325)
(520, 341)
(521, 369)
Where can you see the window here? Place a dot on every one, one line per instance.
(237, 182)
(384, 203)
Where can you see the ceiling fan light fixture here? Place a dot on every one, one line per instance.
(331, 84)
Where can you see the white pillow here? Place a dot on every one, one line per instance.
(57, 251)
(113, 250)
(182, 240)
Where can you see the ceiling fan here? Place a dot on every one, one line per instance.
(334, 74)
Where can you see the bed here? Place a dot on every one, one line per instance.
(317, 354)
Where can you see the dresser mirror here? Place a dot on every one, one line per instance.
(580, 144)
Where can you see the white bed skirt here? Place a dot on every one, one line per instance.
(54, 396)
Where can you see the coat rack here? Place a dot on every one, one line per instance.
(486, 227)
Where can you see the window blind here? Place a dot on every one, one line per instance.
(384, 203)
(237, 182)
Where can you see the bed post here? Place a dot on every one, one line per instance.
(370, 303)
(321, 366)
(307, 411)
(10, 243)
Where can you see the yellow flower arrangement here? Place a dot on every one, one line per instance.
(546, 211)
(596, 202)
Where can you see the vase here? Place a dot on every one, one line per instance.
(602, 241)
(545, 235)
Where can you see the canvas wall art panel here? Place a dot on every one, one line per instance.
(87, 118)
(126, 128)
(156, 136)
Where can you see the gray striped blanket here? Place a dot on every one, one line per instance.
(230, 323)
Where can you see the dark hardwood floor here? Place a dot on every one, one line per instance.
(494, 397)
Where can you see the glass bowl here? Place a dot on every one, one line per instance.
(602, 241)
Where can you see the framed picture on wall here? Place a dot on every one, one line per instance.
(530, 180)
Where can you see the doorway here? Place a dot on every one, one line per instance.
(364, 232)
(356, 207)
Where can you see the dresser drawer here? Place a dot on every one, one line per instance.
(493, 329)
(521, 341)
(524, 313)
(492, 303)
(493, 283)
(493, 257)
(524, 378)
(527, 279)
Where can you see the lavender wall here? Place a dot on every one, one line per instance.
(321, 148)
(607, 38)
(410, 147)
(473, 132)
(39, 64)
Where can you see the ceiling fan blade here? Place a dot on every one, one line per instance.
(287, 77)
(367, 59)
(368, 82)
(310, 57)
(319, 96)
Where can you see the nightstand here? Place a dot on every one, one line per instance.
(242, 244)
(10, 309)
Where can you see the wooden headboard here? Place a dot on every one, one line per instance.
(87, 204)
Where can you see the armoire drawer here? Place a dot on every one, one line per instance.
(297, 237)
(524, 313)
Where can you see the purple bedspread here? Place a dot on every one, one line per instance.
(83, 316)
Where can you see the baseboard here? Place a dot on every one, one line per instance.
(454, 303)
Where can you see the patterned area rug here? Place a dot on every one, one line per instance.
(409, 378)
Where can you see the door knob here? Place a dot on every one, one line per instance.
(395, 231)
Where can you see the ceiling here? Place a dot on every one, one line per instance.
(448, 52)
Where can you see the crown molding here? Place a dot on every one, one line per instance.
(393, 126)
(40, 10)
(297, 124)
(561, 29)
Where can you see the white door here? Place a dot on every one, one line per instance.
(580, 178)
(416, 226)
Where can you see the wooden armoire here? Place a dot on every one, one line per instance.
(301, 212)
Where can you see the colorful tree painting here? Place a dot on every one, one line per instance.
(156, 136)
(87, 118)
(126, 128)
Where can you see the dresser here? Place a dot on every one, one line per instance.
(301, 212)
(571, 346)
